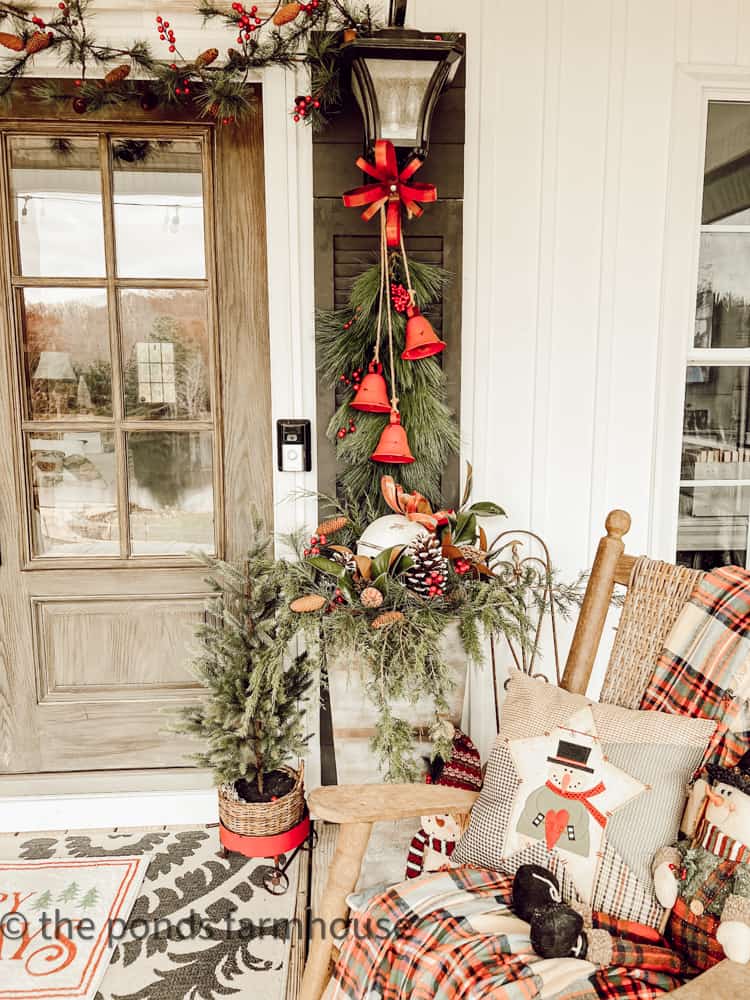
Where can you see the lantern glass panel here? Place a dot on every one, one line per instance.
(400, 86)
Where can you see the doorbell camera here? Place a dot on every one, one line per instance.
(295, 452)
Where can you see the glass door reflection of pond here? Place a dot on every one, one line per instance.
(115, 343)
(714, 496)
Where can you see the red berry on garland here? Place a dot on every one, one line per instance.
(341, 433)
(80, 105)
(323, 539)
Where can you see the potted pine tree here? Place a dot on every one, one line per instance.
(251, 720)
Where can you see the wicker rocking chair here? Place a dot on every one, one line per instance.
(656, 594)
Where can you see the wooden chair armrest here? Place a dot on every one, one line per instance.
(725, 981)
(375, 803)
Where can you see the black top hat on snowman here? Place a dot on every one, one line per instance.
(737, 776)
(572, 755)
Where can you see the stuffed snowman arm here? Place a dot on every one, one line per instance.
(666, 863)
(734, 930)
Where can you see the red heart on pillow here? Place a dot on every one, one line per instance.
(554, 824)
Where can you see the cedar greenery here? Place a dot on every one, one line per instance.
(219, 89)
(420, 385)
(251, 721)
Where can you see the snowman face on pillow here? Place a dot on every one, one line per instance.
(568, 779)
(441, 827)
(729, 809)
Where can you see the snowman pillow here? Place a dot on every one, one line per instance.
(590, 791)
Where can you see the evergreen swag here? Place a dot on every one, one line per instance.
(215, 82)
(252, 720)
(346, 342)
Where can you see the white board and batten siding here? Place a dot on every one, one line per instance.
(584, 165)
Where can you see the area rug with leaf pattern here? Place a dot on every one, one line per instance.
(201, 926)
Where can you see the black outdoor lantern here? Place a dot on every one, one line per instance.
(397, 77)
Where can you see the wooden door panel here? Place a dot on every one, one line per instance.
(95, 650)
(109, 649)
(108, 736)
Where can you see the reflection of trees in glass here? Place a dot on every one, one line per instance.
(167, 464)
(190, 373)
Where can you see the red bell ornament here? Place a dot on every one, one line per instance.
(421, 339)
(393, 446)
(372, 395)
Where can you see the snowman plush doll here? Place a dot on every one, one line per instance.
(433, 845)
(705, 881)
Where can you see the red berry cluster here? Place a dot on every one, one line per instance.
(462, 566)
(400, 297)
(338, 597)
(310, 8)
(248, 21)
(38, 22)
(165, 33)
(354, 380)
(343, 431)
(316, 541)
(436, 583)
(304, 106)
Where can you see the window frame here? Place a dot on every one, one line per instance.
(119, 423)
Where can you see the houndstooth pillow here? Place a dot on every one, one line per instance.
(590, 790)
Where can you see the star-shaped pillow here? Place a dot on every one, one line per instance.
(590, 791)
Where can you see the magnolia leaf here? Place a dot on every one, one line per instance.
(396, 552)
(482, 539)
(481, 568)
(328, 566)
(381, 562)
(466, 527)
(468, 484)
(487, 509)
(452, 552)
(364, 565)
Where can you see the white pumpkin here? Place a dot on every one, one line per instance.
(393, 529)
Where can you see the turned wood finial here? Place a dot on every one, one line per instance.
(617, 523)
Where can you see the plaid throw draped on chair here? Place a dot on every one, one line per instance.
(704, 668)
(451, 936)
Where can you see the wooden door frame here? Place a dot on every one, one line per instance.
(278, 314)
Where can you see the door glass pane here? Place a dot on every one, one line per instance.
(66, 352)
(165, 354)
(170, 484)
(713, 525)
(722, 317)
(74, 490)
(57, 206)
(158, 201)
(716, 443)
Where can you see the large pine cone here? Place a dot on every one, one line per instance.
(429, 574)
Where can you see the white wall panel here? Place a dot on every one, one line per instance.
(713, 30)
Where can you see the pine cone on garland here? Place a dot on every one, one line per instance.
(371, 597)
(38, 41)
(8, 41)
(429, 574)
(331, 526)
(286, 14)
(117, 75)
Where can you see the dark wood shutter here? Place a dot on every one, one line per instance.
(345, 244)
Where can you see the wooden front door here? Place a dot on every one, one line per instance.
(135, 426)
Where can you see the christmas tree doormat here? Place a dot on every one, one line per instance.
(58, 923)
(202, 927)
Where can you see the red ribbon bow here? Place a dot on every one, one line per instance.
(392, 190)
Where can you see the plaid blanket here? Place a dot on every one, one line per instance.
(704, 668)
(452, 936)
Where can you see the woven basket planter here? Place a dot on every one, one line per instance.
(265, 819)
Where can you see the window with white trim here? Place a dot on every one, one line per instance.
(714, 502)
